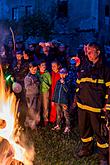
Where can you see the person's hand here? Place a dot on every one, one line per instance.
(52, 103)
(107, 116)
(12, 78)
(62, 81)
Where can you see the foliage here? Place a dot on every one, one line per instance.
(36, 25)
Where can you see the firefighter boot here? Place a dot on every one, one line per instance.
(84, 152)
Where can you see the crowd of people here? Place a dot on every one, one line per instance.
(54, 84)
(34, 73)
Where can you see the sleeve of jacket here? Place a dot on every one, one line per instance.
(65, 87)
(108, 100)
(55, 92)
(107, 83)
(49, 79)
(27, 82)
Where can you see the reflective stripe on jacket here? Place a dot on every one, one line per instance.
(93, 86)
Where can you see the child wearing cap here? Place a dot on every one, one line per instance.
(61, 99)
(32, 90)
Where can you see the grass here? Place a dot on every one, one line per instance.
(55, 148)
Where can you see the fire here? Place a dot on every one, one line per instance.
(8, 122)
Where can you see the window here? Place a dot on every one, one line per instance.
(22, 11)
(107, 12)
(29, 10)
(15, 15)
(62, 8)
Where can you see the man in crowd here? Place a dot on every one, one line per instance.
(93, 86)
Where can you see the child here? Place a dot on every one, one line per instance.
(55, 77)
(32, 88)
(72, 77)
(19, 71)
(61, 99)
(45, 83)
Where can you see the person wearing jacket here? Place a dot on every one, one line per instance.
(55, 77)
(92, 92)
(32, 91)
(61, 99)
(45, 84)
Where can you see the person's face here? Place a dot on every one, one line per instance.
(33, 70)
(18, 56)
(61, 48)
(54, 67)
(46, 50)
(93, 54)
(31, 47)
(42, 67)
(63, 75)
(25, 55)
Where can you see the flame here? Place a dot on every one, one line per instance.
(8, 113)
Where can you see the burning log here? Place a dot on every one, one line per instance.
(7, 155)
(2, 124)
(15, 162)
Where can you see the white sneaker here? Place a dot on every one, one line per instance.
(57, 128)
(67, 130)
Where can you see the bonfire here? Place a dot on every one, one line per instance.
(13, 150)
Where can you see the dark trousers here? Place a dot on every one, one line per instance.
(62, 109)
(89, 125)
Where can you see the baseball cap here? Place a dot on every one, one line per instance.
(63, 71)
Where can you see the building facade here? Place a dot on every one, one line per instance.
(75, 22)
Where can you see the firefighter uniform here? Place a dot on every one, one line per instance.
(92, 92)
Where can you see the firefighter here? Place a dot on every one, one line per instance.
(92, 90)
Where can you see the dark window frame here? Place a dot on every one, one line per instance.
(107, 11)
(62, 8)
(14, 10)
